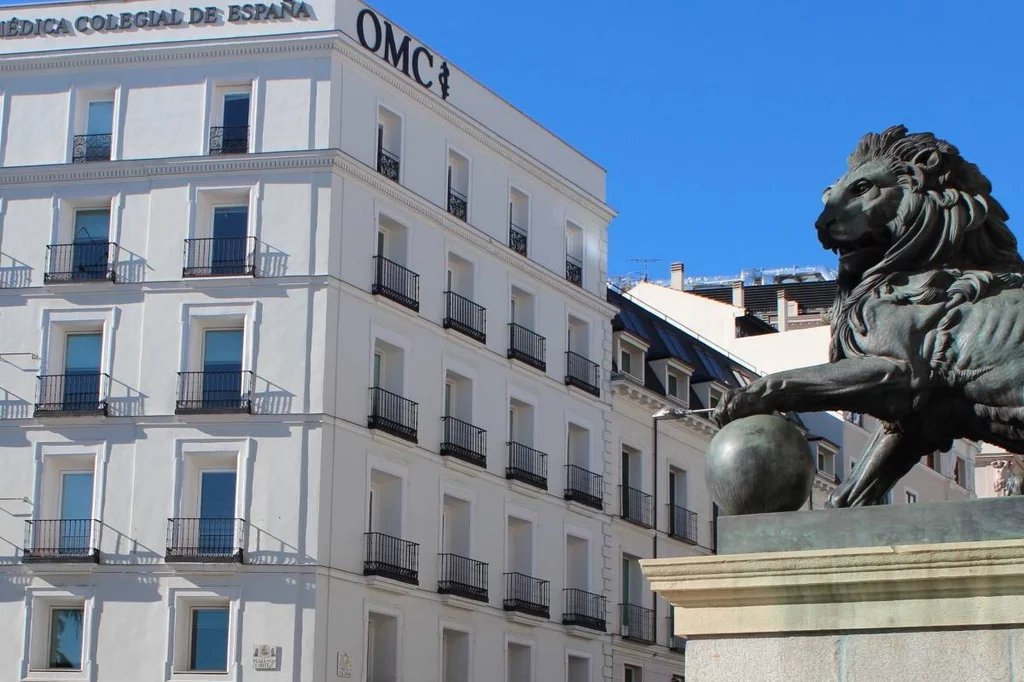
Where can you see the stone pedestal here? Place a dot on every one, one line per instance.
(940, 611)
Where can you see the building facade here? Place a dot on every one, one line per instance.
(304, 362)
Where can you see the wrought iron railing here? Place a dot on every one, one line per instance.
(464, 441)
(675, 643)
(388, 164)
(637, 506)
(393, 414)
(517, 238)
(585, 609)
(392, 557)
(465, 316)
(457, 203)
(229, 140)
(396, 282)
(582, 373)
(574, 270)
(636, 623)
(462, 576)
(584, 486)
(61, 540)
(527, 346)
(212, 392)
(205, 539)
(87, 148)
(527, 594)
(220, 257)
(527, 465)
(80, 262)
(76, 393)
(682, 523)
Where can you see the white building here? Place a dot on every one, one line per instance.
(263, 408)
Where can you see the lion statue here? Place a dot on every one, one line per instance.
(928, 322)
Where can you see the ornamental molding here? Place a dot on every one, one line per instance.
(647, 399)
(325, 42)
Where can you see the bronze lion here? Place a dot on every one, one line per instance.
(928, 322)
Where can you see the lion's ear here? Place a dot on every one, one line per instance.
(929, 159)
(825, 193)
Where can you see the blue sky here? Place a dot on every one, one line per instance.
(719, 123)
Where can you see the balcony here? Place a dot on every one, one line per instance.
(61, 540)
(574, 270)
(636, 623)
(457, 203)
(584, 486)
(462, 577)
(682, 524)
(393, 414)
(637, 506)
(517, 239)
(214, 392)
(205, 540)
(388, 164)
(464, 441)
(80, 262)
(86, 148)
(464, 316)
(391, 557)
(582, 373)
(527, 465)
(220, 257)
(396, 283)
(526, 346)
(229, 140)
(72, 394)
(584, 609)
(528, 595)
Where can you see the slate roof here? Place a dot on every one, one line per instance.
(810, 297)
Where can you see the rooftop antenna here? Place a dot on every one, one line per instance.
(646, 262)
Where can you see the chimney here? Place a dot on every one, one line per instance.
(678, 269)
(783, 311)
(737, 294)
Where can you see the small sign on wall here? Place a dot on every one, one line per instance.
(264, 657)
(344, 665)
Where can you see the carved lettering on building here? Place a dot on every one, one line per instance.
(388, 43)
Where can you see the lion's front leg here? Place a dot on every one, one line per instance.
(854, 385)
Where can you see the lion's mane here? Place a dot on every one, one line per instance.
(948, 224)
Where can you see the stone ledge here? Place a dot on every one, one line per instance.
(911, 586)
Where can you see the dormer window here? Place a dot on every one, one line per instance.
(826, 460)
(714, 398)
(626, 361)
(678, 385)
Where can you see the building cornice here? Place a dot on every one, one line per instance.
(643, 397)
(326, 43)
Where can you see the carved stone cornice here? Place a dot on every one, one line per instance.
(647, 399)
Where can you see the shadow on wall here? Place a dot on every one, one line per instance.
(271, 262)
(14, 273)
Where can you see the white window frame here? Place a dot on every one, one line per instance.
(192, 456)
(386, 106)
(907, 493)
(81, 97)
(584, 534)
(513, 511)
(369, 608)
(448, 151)
(512, 187)
(217, 91)
(384, 465)
(528, 643)
(455, 626)
(585, 655)
(199, 318)
(39, 602)
(181, 602)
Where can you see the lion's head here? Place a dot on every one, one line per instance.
(909, 203)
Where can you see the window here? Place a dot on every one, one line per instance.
(90, 247)
(389, 144)
(673, 385)
(387, 370)
(578, 446)
(216, 527)
(75, 512)
(222, 368)
(632, 673)
(826, 460)
(519, 546)
(381, 648)
(520, 663)
(458, 185)
(960, 472)
(231, 136)
(518, 221)
(65, 638)
(98, 127)
(714, 397)
(208, 639)
(911, 497)
(626, 362)
(454, 655)
(577, 563)
(229, 247)
(677, 487)
(577, 669)
(82, 357)
(392, 240)
(574, 254)
(631, 580)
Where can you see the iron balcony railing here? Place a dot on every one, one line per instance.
(682, 523)
(636, 623)
(396, 282)
(393, 414)
(61, 540)
(80, 262)
(517, 238)
(77, 393)
(465, 316)
(527, 346)
(457, 203)
(584, 486)
(582, 373)
(574, 270)
(91, 148)
(220, 257)
(388, 164)
(213, 392)
(229, 140)
(584, 609)
(675, 643)
(527, 594)
(637, 506)
(392, 557)
(464, 441)
(527, 465)
(462, 577)
(205, 539)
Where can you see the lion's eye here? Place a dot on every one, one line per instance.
(860, 187)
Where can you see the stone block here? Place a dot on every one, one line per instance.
(764, 659)
(961, 655)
